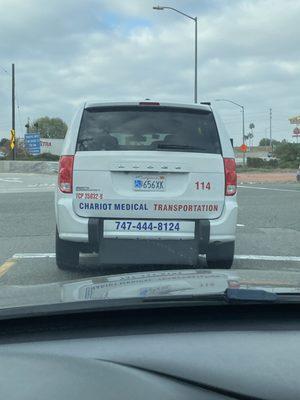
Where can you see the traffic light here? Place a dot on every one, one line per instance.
(12, 139)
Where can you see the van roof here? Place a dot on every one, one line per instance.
(185, 105)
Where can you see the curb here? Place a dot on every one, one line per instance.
(34, 167)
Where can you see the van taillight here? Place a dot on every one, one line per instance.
(230, 176)
(65, 174)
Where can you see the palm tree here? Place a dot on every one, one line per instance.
(251, 134)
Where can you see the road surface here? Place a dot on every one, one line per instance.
(268, 232)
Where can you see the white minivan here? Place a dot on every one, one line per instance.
(146, 183)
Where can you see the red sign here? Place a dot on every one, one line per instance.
(243, 148)
(296, 132)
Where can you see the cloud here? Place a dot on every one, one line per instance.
(70, 51)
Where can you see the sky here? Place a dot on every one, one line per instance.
(70, 51)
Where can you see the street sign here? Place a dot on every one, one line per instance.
(244, 148)
(33, 143)
(296, 132)
(295, 120)
(12, 139)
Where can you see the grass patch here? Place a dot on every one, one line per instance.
(241, 169)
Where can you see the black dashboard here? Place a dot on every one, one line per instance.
(232, 352)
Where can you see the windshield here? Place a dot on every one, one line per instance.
(148, 151)
(149, 128)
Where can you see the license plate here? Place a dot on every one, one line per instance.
(149, 229)
(149, 183)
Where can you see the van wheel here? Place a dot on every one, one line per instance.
(220, 256)
(67, 254)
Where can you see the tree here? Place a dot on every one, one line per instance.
(251, 134)
(54, 128)
(5, 146)
(288, 155)
(266, 142)
(4, 142)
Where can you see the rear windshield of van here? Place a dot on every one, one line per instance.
(148, 128)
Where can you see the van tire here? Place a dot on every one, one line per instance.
(220, 256)
(67, 254)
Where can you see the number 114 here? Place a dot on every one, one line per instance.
(202, 185)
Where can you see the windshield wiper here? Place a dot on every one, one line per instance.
(241, 296)
(179, 147)
(230, 296)
(250, 295)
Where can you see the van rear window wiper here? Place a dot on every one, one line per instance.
(179, 147)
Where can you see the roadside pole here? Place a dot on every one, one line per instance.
(243, 122)
(27, 125)
(13, 124)
(271, 143)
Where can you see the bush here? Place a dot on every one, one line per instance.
(46, 157)
(253, 162)
(23, 156)
(288, 154)
(289, 164)
(272, 163)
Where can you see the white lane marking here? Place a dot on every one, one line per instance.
(28, 190)
(264, 188)
(19, 256)
(11, 180)
(33, 255)
(240, 225)
(267, 258)
(36, 185)
(237, 257)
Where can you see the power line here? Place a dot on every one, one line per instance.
(4, 70)
(20, 119)
(260, 116)
(248, 113)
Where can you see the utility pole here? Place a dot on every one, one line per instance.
(196, 61)
(243, 122)
(271, 143)
(195, 19)
(27, 125)
(13, 123)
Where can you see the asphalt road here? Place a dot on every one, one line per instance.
(268, 228)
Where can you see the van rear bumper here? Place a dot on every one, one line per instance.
(78, 229)
(223, 229)
(69, 225)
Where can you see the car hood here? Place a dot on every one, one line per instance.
(148, 284)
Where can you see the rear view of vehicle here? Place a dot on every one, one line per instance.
(146, 183)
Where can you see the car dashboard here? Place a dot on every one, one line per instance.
(211, 353)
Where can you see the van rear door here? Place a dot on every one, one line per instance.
(150, 162)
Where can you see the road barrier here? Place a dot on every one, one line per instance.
(34, 167)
